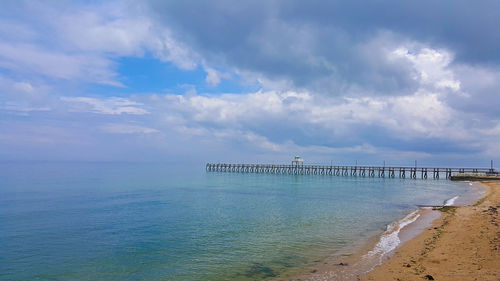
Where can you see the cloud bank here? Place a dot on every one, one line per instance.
(328, 79)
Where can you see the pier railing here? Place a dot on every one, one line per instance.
(362, 171)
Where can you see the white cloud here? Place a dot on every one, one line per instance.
(432, 66)
(214, 77)
(15, 88)
(265, 144)
(492, 131)
(21, 97)
(127, 129)
(423, 114)
(111, 106)
(23, 87)
(11, 106)
(112, 29)
(31, 59)
(80, 42)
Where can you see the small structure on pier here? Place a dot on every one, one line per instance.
(297, 161)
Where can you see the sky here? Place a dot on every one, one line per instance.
(251, 81)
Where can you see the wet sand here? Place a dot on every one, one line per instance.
(463, 244)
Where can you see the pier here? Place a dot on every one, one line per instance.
(298, 168)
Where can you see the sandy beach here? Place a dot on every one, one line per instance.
(454, 243)
(463, 244)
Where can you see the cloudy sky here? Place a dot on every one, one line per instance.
(251, 81)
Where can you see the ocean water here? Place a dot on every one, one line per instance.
(126, 221)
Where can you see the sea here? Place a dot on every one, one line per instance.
(156, 221)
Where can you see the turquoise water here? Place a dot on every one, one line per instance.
(119, 221)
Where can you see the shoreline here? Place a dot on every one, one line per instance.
(420, 225)
(462, 244)
(362, 258)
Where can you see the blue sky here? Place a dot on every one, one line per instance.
(250, 81)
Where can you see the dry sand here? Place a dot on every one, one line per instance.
(463, 244)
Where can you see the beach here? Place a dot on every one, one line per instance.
(453, 243)
(463, 244)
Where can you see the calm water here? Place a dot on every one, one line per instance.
(114, 221)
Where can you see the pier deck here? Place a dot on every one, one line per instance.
(362, 171)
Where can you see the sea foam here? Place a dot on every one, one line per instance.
(390, 239)
(450, 201)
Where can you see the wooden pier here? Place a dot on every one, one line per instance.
(361, 171)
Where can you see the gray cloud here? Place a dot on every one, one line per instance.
(332, 46)
(479, 97)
